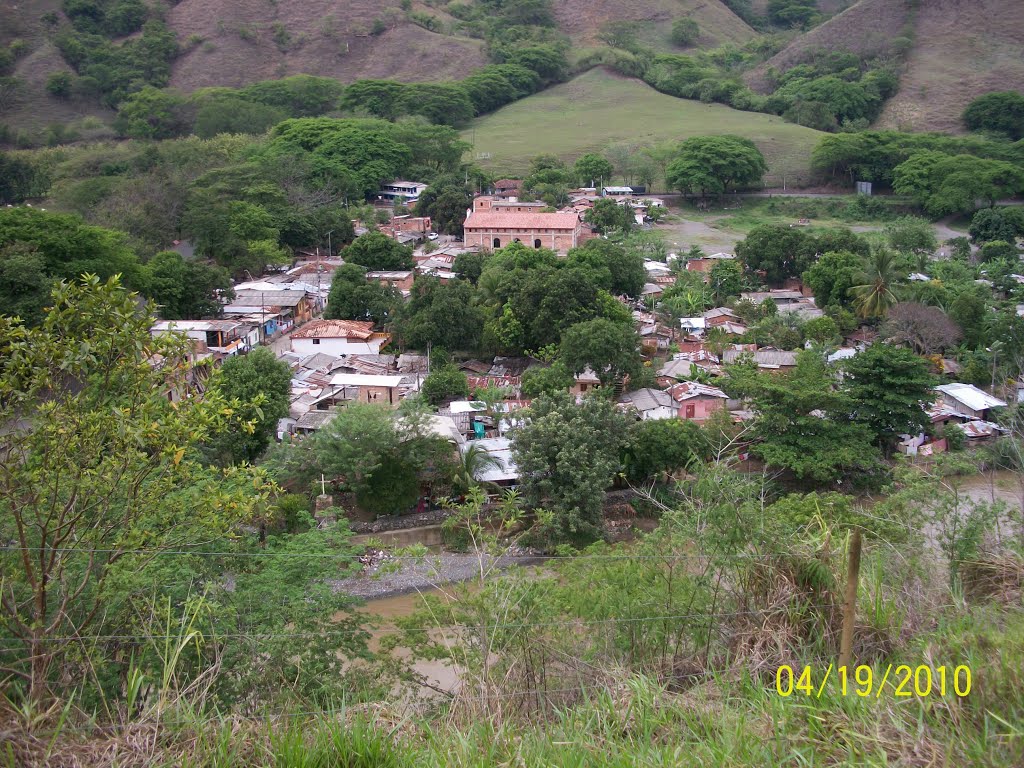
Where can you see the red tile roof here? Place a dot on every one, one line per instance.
(491, 220)
(335, 329)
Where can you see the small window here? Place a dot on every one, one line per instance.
(691, 411)
(536, 243)
(497, 242)
(316, 341)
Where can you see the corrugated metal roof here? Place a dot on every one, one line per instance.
(971, 396)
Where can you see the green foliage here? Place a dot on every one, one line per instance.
(725, 279)
(998, 250)
(444, 384)
(441, 103)
(538, 380)
(662, 446)
(262, 385)
(443, 315)
(378, 252)
(608, 348)
(446, 201)
(617, 269)
(152, 113)
(185, 290)
(66, 247)
(802, 422)
(792, 13)
(715, 165)
(591, 169)
(999, 112)
(353, 297)
(19, 178)
(608, 216)
(128, 473)
(874, 292)
(684, 32)
(997, 223)
(874, 155)
(116, 71)
(822, 330)
(910, 234)
(59, 84)
(223, 113)
(567, 455)
(947, 184)
(888, 388)
(832, 276)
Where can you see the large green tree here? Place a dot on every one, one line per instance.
(262, 383)
(802, 423)
(832, 276)
(608, 348)
(776, 250)
(185, 290)
(708, 165)
(567, 455)
(376, 251)
(444, 315)
(888, 389)
(1001, 112)
(100, 477)
(353, 297)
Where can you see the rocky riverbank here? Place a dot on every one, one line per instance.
(387, 576)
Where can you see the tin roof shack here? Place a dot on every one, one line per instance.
(223, 338)
(383, 390)
(769, 359)
(649, 404)
(296, 305)
(969, 400)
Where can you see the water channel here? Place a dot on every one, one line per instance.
(983, 487)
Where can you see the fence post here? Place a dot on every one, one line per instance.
(850, 607)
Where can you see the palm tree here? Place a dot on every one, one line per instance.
(473, 462)
(874, 295)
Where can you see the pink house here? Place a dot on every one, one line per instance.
(696, 402)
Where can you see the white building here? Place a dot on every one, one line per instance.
(339, 337)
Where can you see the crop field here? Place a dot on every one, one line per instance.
(600, 108)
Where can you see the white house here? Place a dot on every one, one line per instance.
(339, 337)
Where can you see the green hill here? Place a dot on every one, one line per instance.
(599, 108)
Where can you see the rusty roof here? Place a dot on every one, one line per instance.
(335, 329)
(489, 220)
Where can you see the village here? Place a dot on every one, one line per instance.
(338, 362)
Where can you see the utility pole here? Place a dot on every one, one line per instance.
(850, 607)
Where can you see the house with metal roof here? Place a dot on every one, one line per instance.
(339, 337)
(969, 400)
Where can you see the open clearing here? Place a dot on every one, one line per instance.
(599, 108)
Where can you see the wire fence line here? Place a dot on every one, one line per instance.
(416, 558)
(455, 695)
(396, 629)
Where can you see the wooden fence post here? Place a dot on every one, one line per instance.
(850, 607)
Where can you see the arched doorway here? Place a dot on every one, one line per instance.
(497, 242)
(536, 243)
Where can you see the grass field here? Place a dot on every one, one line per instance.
(599, 108)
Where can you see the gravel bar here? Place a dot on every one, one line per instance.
(433, 571)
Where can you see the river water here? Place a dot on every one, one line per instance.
(1001, 486)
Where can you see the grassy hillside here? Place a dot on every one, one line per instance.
(869, 28)
(599, 108)
(243, 41)
(963, 49)
(582, 20)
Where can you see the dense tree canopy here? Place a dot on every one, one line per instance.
(802, 421)
(567, 455)
(378, 252)
(999, 112)
(353, 297)
(715, 164)
(262, 384)
(888, 389)
(607, 348)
